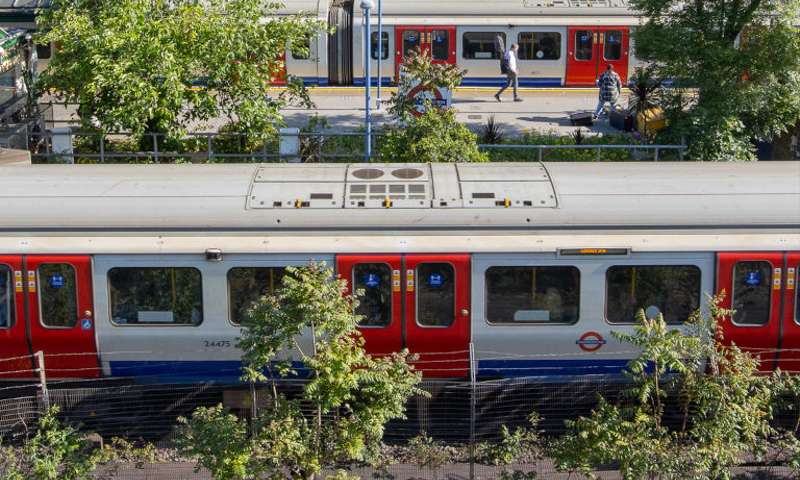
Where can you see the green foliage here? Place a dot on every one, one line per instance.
(736, 67)
(725, 406)
(352, 393)
(134, 65)
(428, 453)
(436, 136)
(513, 445)
(55, 452)
(492, 133)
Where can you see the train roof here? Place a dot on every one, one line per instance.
(419, 197)
(503, 8)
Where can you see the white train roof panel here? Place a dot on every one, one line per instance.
(161, 198)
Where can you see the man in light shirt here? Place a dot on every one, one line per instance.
(509, 67)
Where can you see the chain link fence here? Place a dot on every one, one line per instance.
(460, 419)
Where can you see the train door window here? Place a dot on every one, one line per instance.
(584, 44)
(672, 290)
(483, 45)
(411, 41)
(752, 293)
(539, 45)
(247, 285)
(612, 45)
(6, 297)
(523, 295)
(375, 281)
(436, 295)
(301, 49)
(58, 299)
(156, 296)
(440, 45)
(384, 46)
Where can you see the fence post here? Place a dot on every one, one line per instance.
(472, 409)
(210, 148)
(102, 147)
(254, 402)
(656, 154)
(61, 142)
(290, 144)
(42, 379)
(155, 147)
(541, 153)
(598, 154)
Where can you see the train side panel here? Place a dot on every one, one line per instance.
(552, 316)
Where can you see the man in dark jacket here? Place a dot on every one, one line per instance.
(610, 89)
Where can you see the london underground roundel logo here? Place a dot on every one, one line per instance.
(419, 95)
(591, 341)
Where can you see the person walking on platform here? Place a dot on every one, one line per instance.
(508, 66)
(610, 89)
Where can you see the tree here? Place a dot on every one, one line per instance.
(735, 67)
(134, 65)
(725, 407)
(418, 70)
(347, 397)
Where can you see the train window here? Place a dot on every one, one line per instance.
(44, 51)
(6, 297)
(522, 295)
(411, 41)
(436, 295)
(440, 45)
(301, 50)
(384, 46)
(155, 296)
(584, 44)
(671, 290)
(483, 45)
(752, 293)
(247, 285)
(375, 306)
(58, 299)
(539, 45)
(612, 45)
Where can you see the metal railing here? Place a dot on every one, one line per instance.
(304, 147)
(635, 151)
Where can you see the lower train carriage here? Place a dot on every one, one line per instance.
(145, 272)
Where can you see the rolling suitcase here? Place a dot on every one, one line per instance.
(582, 119)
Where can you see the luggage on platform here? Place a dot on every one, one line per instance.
(581, 119)
(621, 120)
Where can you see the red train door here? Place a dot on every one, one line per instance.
(437, 313)
(378, 276)
(789, 356)
(439, 42)
(15, 356)
(752, 282)
(590, 49)
(61, 314)
(419, 302)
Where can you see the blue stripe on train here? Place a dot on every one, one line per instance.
(549, 368)
(541, 82)
(230, 371)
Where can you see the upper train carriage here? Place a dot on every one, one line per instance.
(562, 42)
(145, 272)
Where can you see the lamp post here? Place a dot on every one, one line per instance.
(379, 101)
(366, 6)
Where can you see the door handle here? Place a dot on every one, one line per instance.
(464, 312)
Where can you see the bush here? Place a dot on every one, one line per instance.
(725, 407)
(434, 137)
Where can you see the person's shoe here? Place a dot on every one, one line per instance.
(517, 99)
(497, 97)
